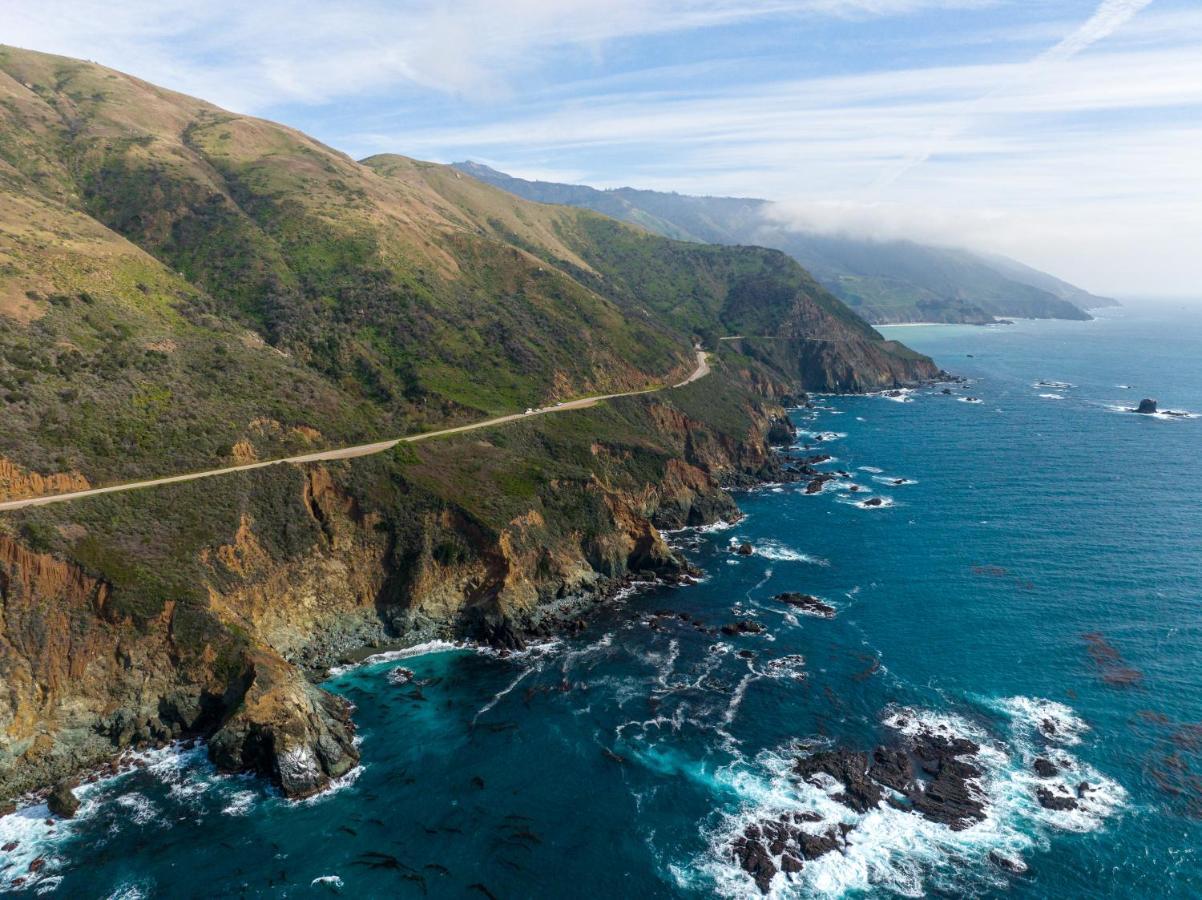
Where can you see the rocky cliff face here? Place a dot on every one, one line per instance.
(334, 559)
(850, 365)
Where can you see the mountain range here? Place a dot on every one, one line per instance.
(885, 281)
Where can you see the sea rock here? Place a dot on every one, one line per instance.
(7, 807)
(807, 603)
(744, 549)
(62, 800)
(287, 729)
(781, 433)
(891, 766)
(873, 501)
(850, 769)
(744, 626)
(755, 860)
(1146, 406)
(950, 795)
(761, 843)
(1045, 768)
(1051, 800)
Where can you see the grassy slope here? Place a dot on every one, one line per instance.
(382, 288)
(256, 286)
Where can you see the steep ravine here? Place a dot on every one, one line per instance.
(107, 644)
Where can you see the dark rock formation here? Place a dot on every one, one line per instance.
(62, 800)
(807, 603)
(744, 626)
(785, 837)
(288, 730)
(891, 766)
(1045, 768)
(1146, 406)
(850, 769)
(744, 549)
(781, 433)
(1049, 799)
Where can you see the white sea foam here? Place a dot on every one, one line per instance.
(717, 526)
(1055, 385)
(402, 653)
(778, 552)
(1163, 415)
(1055, 721)
(1052, 396)
(970, 400)
(499, 695)
(899, 395)
(871, 470)
(331, 882)
(822, 437)
(130, 892)
(336, 786)
(893, 480)
(896, 851)
(240, 803)
(861, 502)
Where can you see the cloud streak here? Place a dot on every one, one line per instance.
(253, 56)
(1109, 16)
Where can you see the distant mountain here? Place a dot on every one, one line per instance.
(884, 281)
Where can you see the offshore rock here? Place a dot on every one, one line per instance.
(62, 800)
(807, 603)
(1146, 406)
(286, 729)
(848, 768)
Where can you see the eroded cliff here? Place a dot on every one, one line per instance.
(200, 608)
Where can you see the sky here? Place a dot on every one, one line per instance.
(1065, 133)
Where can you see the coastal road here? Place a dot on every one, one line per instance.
(703, 369)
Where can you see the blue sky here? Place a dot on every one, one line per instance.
(1067, 134)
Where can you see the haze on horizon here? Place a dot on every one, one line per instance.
(1065, 134)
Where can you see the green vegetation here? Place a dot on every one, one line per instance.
(881, 280)
(180, 285)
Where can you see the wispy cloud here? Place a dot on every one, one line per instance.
(1109, 16)
(252, 56)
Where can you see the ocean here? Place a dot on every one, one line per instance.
(1031, 581)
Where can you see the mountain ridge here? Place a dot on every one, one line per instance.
(886, 281)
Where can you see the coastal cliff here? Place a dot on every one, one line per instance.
(222, 289)
(126, 622)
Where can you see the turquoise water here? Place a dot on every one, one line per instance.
(1045, 563)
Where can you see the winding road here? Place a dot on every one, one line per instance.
(701, 371)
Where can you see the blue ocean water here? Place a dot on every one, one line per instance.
(1035, 584)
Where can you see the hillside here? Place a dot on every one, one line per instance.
(183, 288)
(391, 297)
(883, 281)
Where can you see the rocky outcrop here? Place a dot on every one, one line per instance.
(285, 728)
(62, 800)
(17, 482)
(1146, 406)
(806, 603)
(850, 364)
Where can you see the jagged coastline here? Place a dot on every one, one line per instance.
(91, 670)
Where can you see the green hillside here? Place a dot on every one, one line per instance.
(882, 281)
